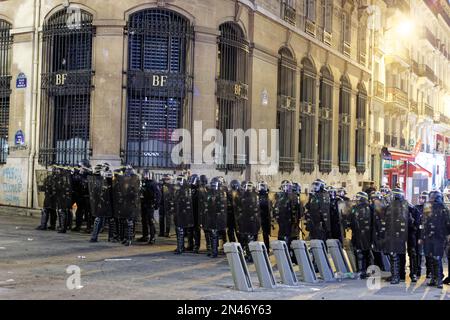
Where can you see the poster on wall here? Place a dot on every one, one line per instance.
(21, 81)
(19, 138)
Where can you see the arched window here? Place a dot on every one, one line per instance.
(232, 90)
(5, 86)
(159, 85)
(344, 125)
(325, 121)
(361, 126)
(307, 144)
(287, 69)
(66, 88)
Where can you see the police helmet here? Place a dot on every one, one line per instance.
(362, 196)
(248, 186)
(194, 180)
(342, 192)
(215, 183)
(263, 186)
(398, 194)
(235, 185)
(286, 186)
(436, 196)
(181, 180)
(318, 185)
(423, 197)
(376, 195)
(297, 187)
(203, 180)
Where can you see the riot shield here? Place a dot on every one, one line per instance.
(184, 215)
(64, 192)
(396, 224)
(248, 220)
(286, 216)
(379, 212)
(126, 196)
(100, 196)
(216, 210)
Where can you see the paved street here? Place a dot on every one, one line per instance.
(33, 266)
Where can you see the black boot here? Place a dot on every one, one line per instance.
(208, 242)
(53, 219)
(180, 240)
(112, 234)
(419, 266)
(190, 236)
(44, 220)
(248, 253)
(413, 265)
(429, 267)
(96, 230)
(197, 239)
(152, 230)
(395, 268)
(130, 232)
(361, 264)
(214, 243)
(121, 228)
(433, 278)
(439, 272)
(266, 239)
(62, 216)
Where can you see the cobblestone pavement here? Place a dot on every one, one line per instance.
(33, 265)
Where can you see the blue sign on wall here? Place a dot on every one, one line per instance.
(21, 81)
(19, 138)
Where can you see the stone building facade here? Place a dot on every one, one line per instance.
(111, 80)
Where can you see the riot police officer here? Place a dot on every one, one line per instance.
(387, 194)
(287, 214)
(183, 214)
(233, 194)
(216, 215)
(436, 228)
(64, 201)
(398, 221)
(318, 221)
(247, 217)
(361, 224)
(126, 202)
(81, 195)
(48, 212)
(100, 194)
(265, 211)
(335, 215)
(423, 199)
(202, 197)
(167, 207)
(378, 207)
(193, 233)
(150, 199)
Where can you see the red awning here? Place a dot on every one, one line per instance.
(399, 155)
(412, 168)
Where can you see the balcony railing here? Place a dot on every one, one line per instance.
(426, 34)
(346, 49)
(414, 107)
(397, 96)
(379, 89)
(289, 14)
(362, 58)
(444, 119)
(425, 71)
(327, 37)
(427, 110)
(310, 27)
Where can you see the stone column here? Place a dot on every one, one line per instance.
(108, 105)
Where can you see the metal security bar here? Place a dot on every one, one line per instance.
(5, 86)
(66, 87)
(232, 90)
(325, 121)
(344, 125)
(287, 68)
(307, 145)
(361, 131)
(159, 85)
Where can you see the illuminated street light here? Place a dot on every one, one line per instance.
(405, 27)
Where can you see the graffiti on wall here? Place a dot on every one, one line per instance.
(11, 186)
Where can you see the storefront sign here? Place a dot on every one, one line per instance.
(21, 81)
(60, 79)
